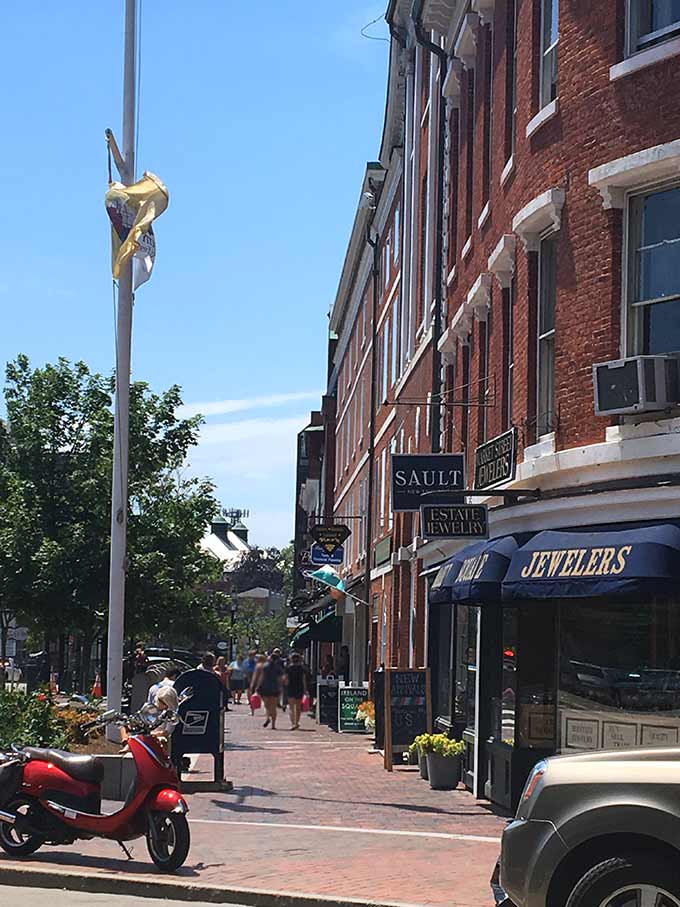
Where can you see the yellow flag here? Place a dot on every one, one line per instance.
(132, 210)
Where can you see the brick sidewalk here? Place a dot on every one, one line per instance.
(314, 812)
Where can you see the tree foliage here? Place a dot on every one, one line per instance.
(56, 452)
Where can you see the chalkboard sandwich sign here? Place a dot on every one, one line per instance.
(349, 700)
(327, 703)
(408, 709)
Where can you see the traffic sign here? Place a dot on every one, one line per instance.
(320, 556)
(330, 537)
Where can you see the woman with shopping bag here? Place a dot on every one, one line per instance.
(295, 681)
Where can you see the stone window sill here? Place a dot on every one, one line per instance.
(644, 59)
(484, 216)
(508, 170)
(467, 248)
(544, 115)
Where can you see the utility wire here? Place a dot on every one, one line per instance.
(373, 37)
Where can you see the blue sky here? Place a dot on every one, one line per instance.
(259, 118)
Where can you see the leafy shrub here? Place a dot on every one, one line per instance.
(437, 743)
(30, 720)
(73, 718)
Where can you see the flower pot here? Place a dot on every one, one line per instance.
(422, 765)
(443, 771)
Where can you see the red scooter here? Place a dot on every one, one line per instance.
(54, 797)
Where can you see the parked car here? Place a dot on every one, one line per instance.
(597, 829)
(11, 671)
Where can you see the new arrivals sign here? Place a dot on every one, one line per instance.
(496, 460)
(417, 478)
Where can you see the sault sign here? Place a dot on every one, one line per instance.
(419, 477)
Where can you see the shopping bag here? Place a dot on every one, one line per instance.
(255, 701)
(306, 702)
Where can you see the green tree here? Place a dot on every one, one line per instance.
(255, 627)
(58, 457)
(258, 567)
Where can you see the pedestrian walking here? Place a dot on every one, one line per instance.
(237, 678)
(222, 671)
(171, 675)
(267, 682)
(295, 681)
(207, 662)
(259, 662)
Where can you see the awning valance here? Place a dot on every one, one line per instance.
(328, 629)
(590, 564)
(301, 639)
(474, 574)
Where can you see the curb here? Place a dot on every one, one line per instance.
(184, 890)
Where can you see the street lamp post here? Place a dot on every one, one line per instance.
(234, 609)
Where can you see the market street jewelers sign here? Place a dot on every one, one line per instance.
(496, 461)
(415, 477)
(454, 521)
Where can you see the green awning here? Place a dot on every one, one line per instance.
(328, 629)
(301, 639)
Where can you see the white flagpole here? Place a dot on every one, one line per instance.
(119, 496)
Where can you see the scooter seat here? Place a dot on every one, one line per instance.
(81, 768)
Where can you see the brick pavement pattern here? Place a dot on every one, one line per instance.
(314, 812)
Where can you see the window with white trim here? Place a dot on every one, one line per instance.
(395, 341)
(383, 467)
(390, 515)
(547, 295)
(361, 390)
(550, 22)
(385, 360)
(509, 350)
(651, 22)
(654, 272)
(397, 235)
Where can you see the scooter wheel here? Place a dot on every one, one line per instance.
(167, 838)
(13, 841)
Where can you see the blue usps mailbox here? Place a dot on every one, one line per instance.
(201, 729)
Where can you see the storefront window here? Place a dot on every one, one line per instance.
(508, 698)
(619, 666)
(441, 622)
(466, 664)
(536, 676)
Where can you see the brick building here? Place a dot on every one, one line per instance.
(525, 209)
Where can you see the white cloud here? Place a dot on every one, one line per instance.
(252, 463)
(224, 407)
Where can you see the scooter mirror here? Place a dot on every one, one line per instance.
(186, 695)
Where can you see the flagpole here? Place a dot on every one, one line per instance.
(119, 493)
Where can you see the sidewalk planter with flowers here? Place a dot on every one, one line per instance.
(420, 747)
(444, 761)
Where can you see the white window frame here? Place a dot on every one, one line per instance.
(397, 235)
(547, 54)
(653, 39)
(631, 313)
(547, 336)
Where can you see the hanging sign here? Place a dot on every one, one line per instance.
(330, 537)
(454, 521)
(496, 460)
(319, 555)
(416, 475)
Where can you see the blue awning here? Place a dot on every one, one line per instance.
(474, 574)
(589, 564)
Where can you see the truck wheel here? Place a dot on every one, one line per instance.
(627, 881)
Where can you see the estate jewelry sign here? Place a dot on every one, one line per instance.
(454, 521)
(330, 538)
(496, 460)
(415, 476)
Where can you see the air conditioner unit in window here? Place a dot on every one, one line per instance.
(640, 384)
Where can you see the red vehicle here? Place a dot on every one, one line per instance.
(54, 797)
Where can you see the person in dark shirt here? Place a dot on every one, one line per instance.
(295, 681)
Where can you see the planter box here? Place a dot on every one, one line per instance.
(443, 771)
